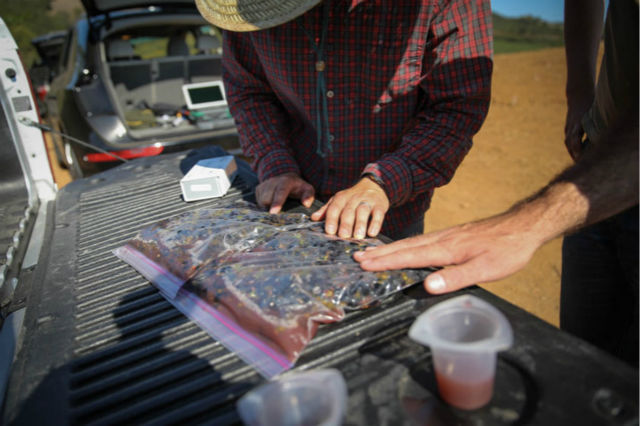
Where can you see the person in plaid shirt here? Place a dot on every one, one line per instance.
(367, 105)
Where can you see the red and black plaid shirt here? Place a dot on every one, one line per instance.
(406, 86)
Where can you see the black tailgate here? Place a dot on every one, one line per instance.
(102, 346)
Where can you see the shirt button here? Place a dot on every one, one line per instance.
(331, 138)
(320, 66)
(377, 109)
(330, 94)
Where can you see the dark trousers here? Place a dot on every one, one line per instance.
(599, 293)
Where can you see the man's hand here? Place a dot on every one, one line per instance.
(578, 105)
(358, 211)
(274, 191)
(478, 252)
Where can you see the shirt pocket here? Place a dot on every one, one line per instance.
(398, 53)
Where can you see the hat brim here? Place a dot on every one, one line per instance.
(252, 15)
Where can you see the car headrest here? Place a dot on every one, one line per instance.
(119, 49)
(208, 44)
(177, 46)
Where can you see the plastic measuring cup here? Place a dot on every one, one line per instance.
(315, 397)
(464, 333)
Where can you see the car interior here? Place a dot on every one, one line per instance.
(148, 67)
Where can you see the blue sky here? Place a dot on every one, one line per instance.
(549, 10)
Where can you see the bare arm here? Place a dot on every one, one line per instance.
(603, 182)
(583, 24)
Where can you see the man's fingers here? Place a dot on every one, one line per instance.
(573, 140)
(304, 192)
(456, 277)
(308, 195)
(295, 189)
(409, 257)
(319, 214)
(406, 243)
(332, 215)
(447, 280)
(571, 147)
(346, 220)
(274, 191)
(362, 213)
(279, 198)
(264, 194)
(479, 269)
(377, 217)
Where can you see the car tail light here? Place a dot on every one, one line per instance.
(42, 91)
(99, 157)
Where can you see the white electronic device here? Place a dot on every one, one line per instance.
(206, 95)
(209, 178)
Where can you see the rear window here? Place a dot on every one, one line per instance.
(172, 42)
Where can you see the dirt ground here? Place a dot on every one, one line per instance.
(519, 149)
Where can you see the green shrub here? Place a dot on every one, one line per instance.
(525, 33)
(27, 19)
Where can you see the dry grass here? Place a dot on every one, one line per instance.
(69, 6)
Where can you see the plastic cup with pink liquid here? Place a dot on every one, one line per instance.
(464, 333)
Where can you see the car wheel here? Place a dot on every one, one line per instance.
(71, 159)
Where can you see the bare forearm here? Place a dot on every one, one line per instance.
(583, 24)
(603, 183)
(607, 176)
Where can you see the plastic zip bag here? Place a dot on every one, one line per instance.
(171, 251)
(259, 283)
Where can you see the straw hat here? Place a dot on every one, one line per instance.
(252, 15)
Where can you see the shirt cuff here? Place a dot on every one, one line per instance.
(393, 174)
(276, 163)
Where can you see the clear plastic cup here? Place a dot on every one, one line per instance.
(464, 333)
(315, 397)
